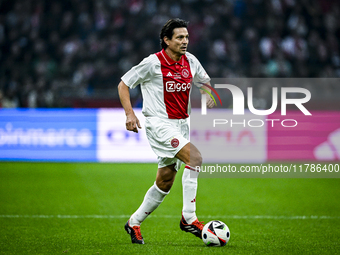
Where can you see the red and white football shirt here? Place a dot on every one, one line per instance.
(166, 84)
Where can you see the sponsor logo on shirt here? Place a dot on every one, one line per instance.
(172, 86)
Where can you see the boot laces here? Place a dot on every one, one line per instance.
(138, 234)
(198, 224)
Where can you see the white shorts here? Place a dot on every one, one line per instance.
(167, 137)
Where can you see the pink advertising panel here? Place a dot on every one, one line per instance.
(315, 137)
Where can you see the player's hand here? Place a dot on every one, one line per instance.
(132, 123)
(210, 102)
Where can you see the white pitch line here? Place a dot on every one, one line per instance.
(251, 217)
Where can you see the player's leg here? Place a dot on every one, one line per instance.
(166, 141)
(155, 195)
(165, 177)
(152, 199)
(191, 156)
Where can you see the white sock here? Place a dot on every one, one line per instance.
(152, 199)
(189, 183)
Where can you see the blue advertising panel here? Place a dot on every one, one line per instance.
(48, 134)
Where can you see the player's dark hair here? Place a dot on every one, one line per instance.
(168, 29)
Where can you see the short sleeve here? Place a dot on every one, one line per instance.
(200, 75)
(139, 73)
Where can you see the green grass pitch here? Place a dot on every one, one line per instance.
(81, 208)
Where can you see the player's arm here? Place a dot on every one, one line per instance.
(210, 101)
(132, 121)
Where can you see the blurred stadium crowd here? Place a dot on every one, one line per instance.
(54, 52)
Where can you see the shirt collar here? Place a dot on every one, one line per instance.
(170, 61)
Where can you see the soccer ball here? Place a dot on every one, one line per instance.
(215, 233)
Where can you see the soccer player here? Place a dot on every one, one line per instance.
(166, 78)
